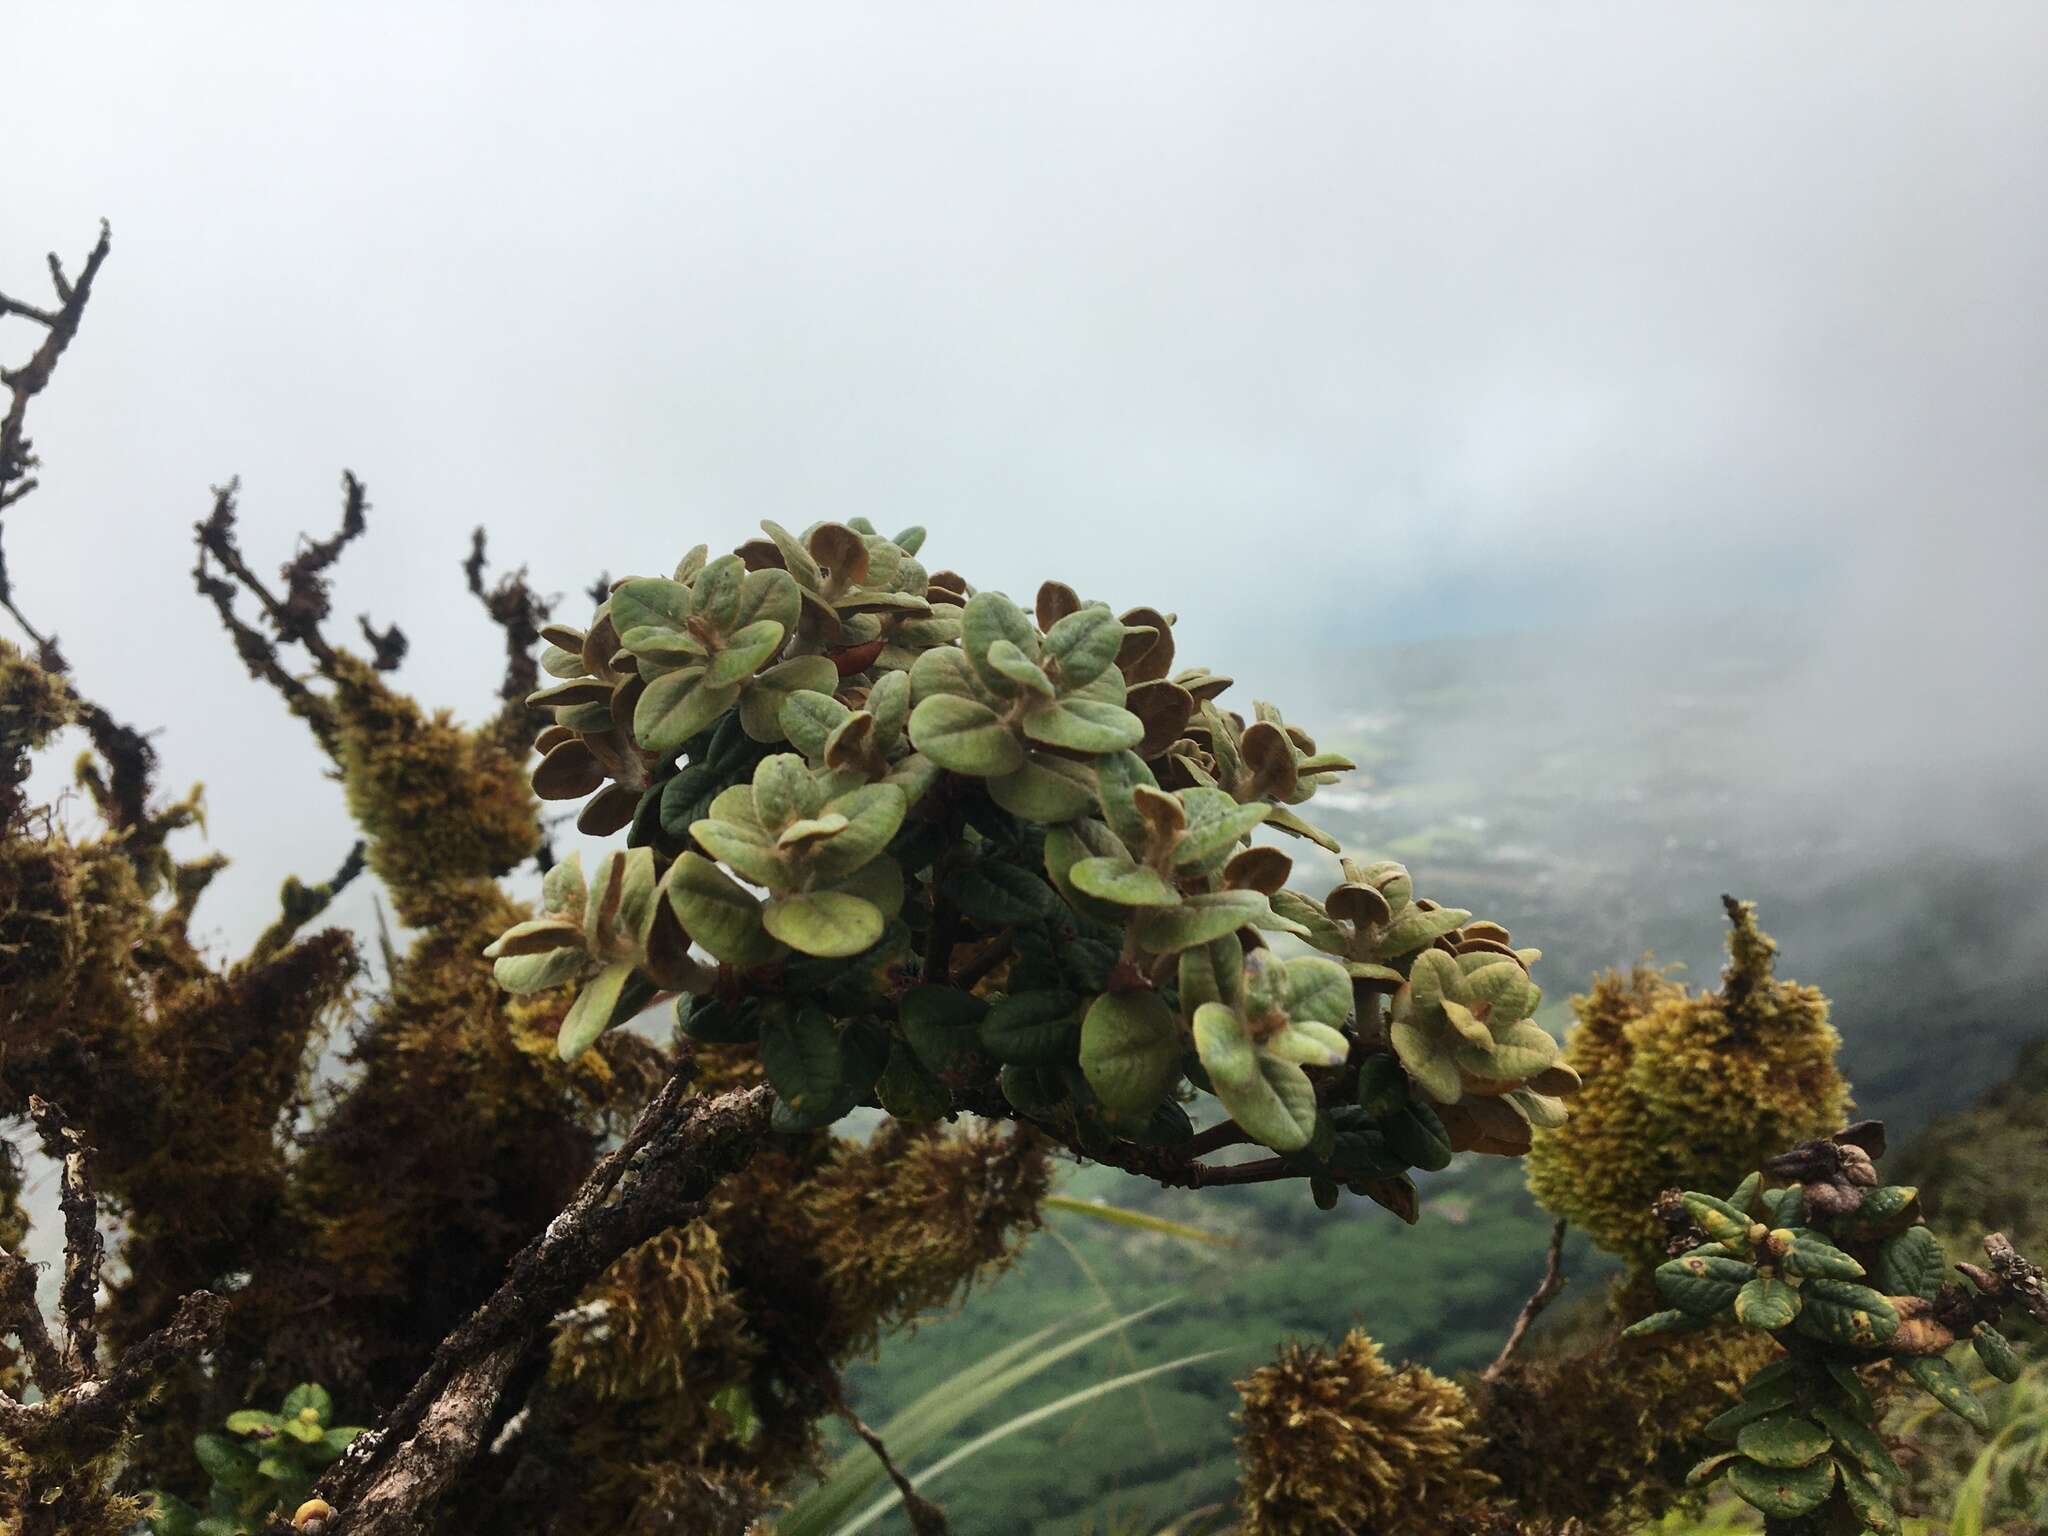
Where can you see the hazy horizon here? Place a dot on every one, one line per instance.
(1331, 327)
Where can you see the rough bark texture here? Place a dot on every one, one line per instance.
(676, 1152)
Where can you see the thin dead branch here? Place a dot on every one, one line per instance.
(926, 1518)
(517, 610)
(1546, 1292)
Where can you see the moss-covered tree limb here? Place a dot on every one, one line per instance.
(677, 1151)
(67, 1435)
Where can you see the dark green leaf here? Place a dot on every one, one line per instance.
(1870, 1504)
(1382, 1086)
(1783, 1492)
(225, 1461)
(1034, 1090)
(1813, 1256)
(908, 1090)
(1726, 1424)
(1766, 1303)
(1032, 1028)
(1846, 1313)
(800, 1051)
(1704, 1283)
(1945, 1384)
(1910, 1263)
(1130, 1050)
(995, 894)
(1998, 1355)
(1860, 1441)
(1668, 1321)
(1783, 1439)
(1706, 1471)
(711, 1022)
(942, 1025)
(1851, 1388)
(1417, 1136)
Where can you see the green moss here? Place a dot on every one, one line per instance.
(1602, 1431)
(1685, 1089)
(34, 706)
(439, 804)
(1336, 1439)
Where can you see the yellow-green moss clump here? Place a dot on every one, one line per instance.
(77, 1500)
(71, 916)
(439, 804)
(904, 1223)
(1338, 1440)
(34, 706)
(1685, 1089)
(1602, 1433)
(652, 1324)
(691, 1376)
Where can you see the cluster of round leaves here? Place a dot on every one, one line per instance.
(846, 780)
(1804, 1429)
(265, 1462)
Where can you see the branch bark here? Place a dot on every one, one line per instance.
(84, 1248)
(17, 455)
(81, 1407)
(26, 382)
(676, 1152)
(1545, 1293)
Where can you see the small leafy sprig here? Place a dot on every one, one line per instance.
(1840, 1270)
(265, 1462)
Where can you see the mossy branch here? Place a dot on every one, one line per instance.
(680, 1148)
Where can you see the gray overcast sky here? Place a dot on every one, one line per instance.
(1357, 322)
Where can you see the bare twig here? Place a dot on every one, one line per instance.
(301, 903)
(1227, 1133)
(17, 454)
(84, 1249)
(926, 1518)
(217, 539)
(516, 609)
(23, 384)
(387, 646)
(217, 545)
(306, 602)
(1546, 1292)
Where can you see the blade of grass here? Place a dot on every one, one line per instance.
(1116, 1215)
(1022, 1421)
(938, 1413)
